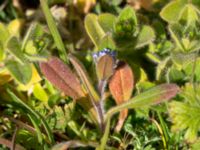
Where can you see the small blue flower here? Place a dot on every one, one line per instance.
(105, 51)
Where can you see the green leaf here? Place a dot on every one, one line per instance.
(40, 93)
(145, 36)
(189, 14)
(182, 59)
(94, 29)
(153, 96)
(185, 114)
(21, 72)
(128, 13)
(30, 48)
(126, 23)
(35, 123)
(175, 75)
(190, 70)
(107, 21)
(53, 29)
(107, 42)
(172, 11)
(5, 33)
(34, 31)
(2, 54)
(14, 48)
(176, 38)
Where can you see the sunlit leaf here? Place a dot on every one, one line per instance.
(94, 29)
(126, 23)
(40, 93)
(189, 14)
(107, 42)
(3, 31)
(15, 26)
(146, 35)
(107, 21)
(121, 87)
(172, 11)
(184, 114)
(4, 76)
(152, 96)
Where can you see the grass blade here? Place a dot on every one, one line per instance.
(34, 113)
(53, 29)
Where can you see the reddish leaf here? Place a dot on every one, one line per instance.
(121, 87)
(105, 67)
(61, 76)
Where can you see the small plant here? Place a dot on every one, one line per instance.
(110, 71)
(99, 74)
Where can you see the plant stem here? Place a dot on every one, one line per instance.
(105, 136)
(13, 138)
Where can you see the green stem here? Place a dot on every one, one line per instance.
(105, 136)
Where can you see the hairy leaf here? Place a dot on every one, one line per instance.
(152, 96)
(145, 36)
(93, 29)
(126, 24)
(121, 87)
(107, 42)
(61, 76)
(172, 11)
(105, 67)
(84, 78)
(107, 21)
(185, 114)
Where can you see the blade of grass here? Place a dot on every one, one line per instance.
(34, 113)
(53, 29)
(37, 128)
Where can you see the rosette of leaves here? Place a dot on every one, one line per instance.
(185, 113)
(81, 87)
(86, 95)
